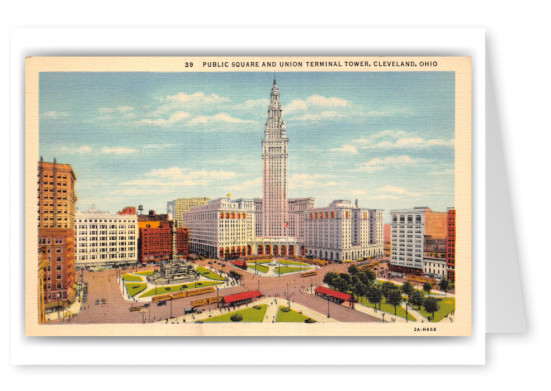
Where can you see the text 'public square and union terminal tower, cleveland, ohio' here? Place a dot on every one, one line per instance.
(275, 225)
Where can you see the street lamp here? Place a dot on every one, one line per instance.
(328, 307)
(383, 317)
(406, 311)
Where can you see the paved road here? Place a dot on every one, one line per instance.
(103, 285)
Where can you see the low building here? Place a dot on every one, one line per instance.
(435, 268)
(342, 231)
(240, 298)
(106, 239)
(334, 296)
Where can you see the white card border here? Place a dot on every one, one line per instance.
(246, 351)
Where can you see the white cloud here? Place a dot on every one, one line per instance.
(119, 109)
(186, 101)
(173, 119)
(324, 115)
(175, 176)
(314, 101)
(118, 150)
(346, 148)
(309, 181)
(398, 139)
(357, 192)
(252, 104)
(378, 164)
(218, 118)
(384, 197)
(80, 150)
(397, 190)
(55, 114)
(447, 171)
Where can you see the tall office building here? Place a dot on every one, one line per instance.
(275, 219)
(56, 236)
(418, 234)
(176, 208)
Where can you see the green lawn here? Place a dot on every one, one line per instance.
(260, 261)
(145, 273)
(134, 289)
(447, 305)
(249, 315)
(291, 316)
(289, 269)
(130, 277)
(207, 273)
(177, 288)
(260, 268)
(286, 262)
(401, 312)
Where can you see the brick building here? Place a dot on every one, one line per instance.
(56, 235)
(160, 240)
(450, 245)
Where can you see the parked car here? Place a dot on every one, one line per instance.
(97, 302)
(103, 301)
(160, 303)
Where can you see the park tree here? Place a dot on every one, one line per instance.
(431, 305)
(346, 278)
(427, 287)
(395, 298)
(375, 295)
(407, 288)
(352, 269)
(445, 286)
(386, 288)
(360, 289)
(416, 299)
(370, 275)
(329, 277)
(339, 284)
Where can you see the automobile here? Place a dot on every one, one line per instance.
(160, 303)
(134, 309)
(97, 302)
(103, 301)
(189, 310)
(146, 305)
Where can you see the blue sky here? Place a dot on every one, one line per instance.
(384, 138)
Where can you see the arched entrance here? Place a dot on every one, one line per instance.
(291, 250)
(302, 251)
(249, 249)
(268, 249)
(276, 249)
(260, 249)
(284, 251)
(221, 253)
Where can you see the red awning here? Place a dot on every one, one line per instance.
(336, 294)
(239, 263)
(241, 296)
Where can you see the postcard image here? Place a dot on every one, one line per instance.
(248, 196)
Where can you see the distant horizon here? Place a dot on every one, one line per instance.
(384, 138)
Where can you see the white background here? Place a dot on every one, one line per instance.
(518, 56)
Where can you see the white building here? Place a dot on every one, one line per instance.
(435, 267)
(412, 230)
(295, 225)
(221, 227)
(343, 231)
(105, 239)
(274, 159)
(407, 235)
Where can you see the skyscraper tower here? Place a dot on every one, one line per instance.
(274, 158)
